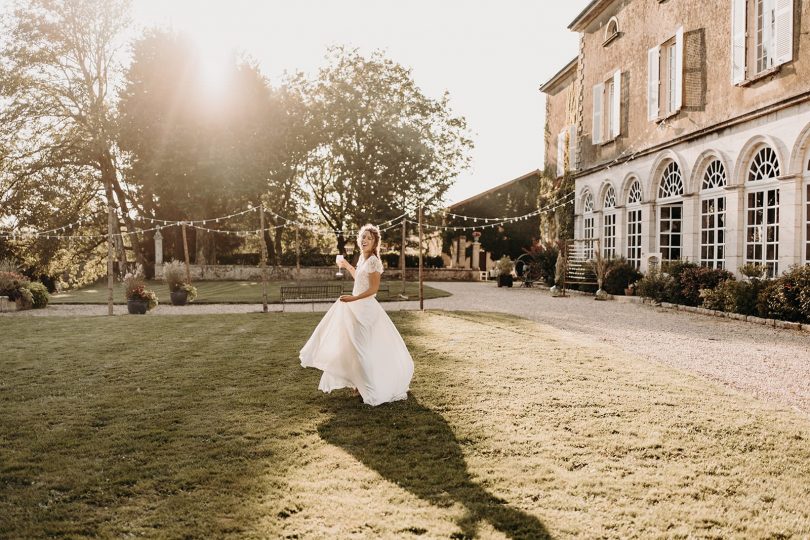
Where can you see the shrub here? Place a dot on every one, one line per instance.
(544, 258)
(39, 294)
(619, 275)
(174, 275)
(788, 297)
(12, 284)
(693, 279)
(504, 265)
(657, 286)
(676, 270)
(411, 261)
(25, 298)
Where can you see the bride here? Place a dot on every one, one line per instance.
(356, 345)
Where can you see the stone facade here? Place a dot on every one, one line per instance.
(694, 132)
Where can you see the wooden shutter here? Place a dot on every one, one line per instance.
(783, 34)
(617, 103)
(678, 69)
(738, 42)
(572, 147)
(653, 81)
(598, 92)
(561, 153)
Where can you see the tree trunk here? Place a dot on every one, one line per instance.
(201, 247)
(341, 244)
(269, 244)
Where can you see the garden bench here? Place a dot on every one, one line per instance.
(384, 287)
(303, 294)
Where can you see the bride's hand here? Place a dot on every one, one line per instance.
(347, 298)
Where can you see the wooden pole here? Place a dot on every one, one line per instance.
(421, 284)
(109, 258)
(297, 256)
(185, 253)
(264, 261)
(402, 257)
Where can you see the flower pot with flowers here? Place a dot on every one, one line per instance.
(139, 298)
(180, 291)
(505, 267)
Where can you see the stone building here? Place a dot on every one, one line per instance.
(687, 126)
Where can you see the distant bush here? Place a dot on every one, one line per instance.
(657, 286)
(620, 274)
(693, 279)
(12, 284)
(391, 259)
(788, 297)
(39, 295)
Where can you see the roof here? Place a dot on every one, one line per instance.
(468, 200)
(558, 77)
(594, 8)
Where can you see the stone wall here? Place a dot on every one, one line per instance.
(288, 273)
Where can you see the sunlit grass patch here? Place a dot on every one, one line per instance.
(208, 426)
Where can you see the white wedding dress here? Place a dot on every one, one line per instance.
(357, 346)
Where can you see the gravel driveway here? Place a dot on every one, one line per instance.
(770, 363)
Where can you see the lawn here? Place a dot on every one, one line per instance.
(230, 292)
(207, 426)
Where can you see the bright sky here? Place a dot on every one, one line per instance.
(491, 56)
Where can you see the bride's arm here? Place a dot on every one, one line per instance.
(373, 287)
(348, 266)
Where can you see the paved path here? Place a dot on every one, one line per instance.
(770, 363)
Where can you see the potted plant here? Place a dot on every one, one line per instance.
(630, 290)
(505, 267)
(180, 291)
(139, 298)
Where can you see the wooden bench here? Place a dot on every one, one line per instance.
(384, 287)
(303, 294)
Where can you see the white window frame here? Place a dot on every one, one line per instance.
(588, 225)
(634, 227)
(669, 204)
(772, 33)
(713, 231)
(672, 102)
(609, 223)
(757, 230)
(806, 191)
(607, 108)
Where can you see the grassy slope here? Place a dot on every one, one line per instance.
(229, 292)
(510, 428)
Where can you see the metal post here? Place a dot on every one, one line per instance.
(185, 253)
(109, 258)
(421, 285)
(402, 258)
(264, 260)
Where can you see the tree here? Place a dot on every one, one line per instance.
(57, 69)
(381, 145)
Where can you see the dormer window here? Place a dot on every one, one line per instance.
(611, 31)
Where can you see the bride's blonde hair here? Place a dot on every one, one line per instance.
(375, 233)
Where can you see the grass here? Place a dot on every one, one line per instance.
(149, 426)
(230, 292)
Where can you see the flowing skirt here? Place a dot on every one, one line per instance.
(357, 346)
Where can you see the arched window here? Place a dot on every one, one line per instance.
(765, 165)
(670, 214)
(634, 224)
(713, 216)
(588, 225)
(612, 30)
(609, 224)
(671, 182)
(762, 211)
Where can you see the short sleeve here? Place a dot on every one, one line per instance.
(375, 264)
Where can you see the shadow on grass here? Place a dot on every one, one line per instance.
(414, 447)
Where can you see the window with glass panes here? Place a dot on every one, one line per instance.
(670, 215)
(762, 213)
(609, 225)
(588, 225)
(713, 217)
(807, 224)
(634, 224)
